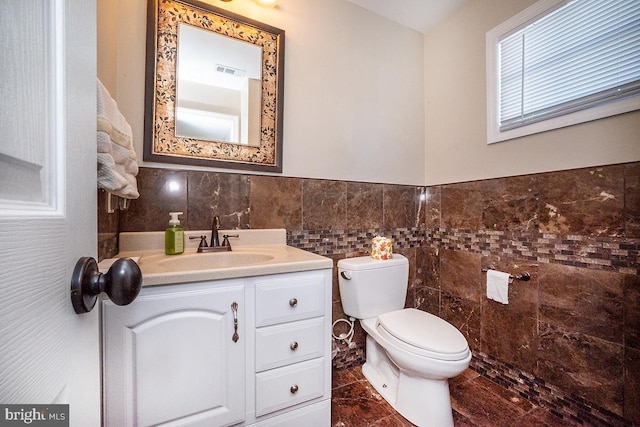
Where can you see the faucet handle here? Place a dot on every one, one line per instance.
(203, 240)
(225, 239)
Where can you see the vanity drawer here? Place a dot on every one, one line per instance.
(282, 387)
(285, 300)
(281, 345)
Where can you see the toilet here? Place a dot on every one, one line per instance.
(411, 354)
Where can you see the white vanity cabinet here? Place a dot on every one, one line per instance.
(170, 357)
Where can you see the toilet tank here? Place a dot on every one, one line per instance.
(370, 287)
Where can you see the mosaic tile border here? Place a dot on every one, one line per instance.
(599, 253)
(333, 242)
(568, 407)
(347, 358)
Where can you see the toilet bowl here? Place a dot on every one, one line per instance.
(410, 354)
(418, 386)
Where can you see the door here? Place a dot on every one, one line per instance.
(48, 354)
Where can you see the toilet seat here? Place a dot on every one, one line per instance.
(423, 333)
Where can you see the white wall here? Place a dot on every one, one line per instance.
(455, 111)
(354, 105)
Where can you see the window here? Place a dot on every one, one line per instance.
(560, 63)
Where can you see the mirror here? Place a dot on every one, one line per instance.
(214, 88)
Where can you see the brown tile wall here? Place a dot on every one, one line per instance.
(575, 325)
(108, 228)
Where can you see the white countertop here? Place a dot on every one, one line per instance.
(254, 253)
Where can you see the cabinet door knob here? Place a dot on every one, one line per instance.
(293, 302)
(294, 346)
(294, 389)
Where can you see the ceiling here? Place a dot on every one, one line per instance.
(421, 15)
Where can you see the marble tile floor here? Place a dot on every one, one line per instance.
(475, 400)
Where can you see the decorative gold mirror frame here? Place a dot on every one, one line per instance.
(161, 144)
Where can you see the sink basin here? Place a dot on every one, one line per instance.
(207, 261)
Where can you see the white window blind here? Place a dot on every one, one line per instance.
(581, 54)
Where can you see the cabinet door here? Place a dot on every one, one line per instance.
(170, 357)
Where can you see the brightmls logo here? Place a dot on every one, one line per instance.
(34, 415)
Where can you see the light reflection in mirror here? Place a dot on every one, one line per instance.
(218, 87)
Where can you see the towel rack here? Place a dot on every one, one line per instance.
(525, 277)
(119, 203)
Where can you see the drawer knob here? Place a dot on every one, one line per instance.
(294, 389)
(294, 346)
(293, 302)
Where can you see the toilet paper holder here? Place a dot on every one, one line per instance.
(525, 276)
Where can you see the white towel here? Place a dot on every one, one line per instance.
(117, 161)
(498, 286)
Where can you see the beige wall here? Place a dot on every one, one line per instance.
(361, 104)
(455, 112)
(354, 107)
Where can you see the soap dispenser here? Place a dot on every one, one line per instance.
(174, 236)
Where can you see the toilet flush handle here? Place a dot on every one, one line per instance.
(345, 275)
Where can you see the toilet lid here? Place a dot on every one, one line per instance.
(424, 331)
